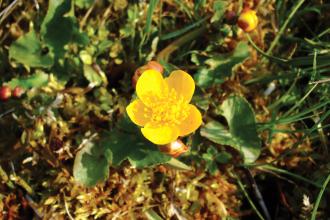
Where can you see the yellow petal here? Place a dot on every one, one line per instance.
(150, 86)
(160, 135)
(138, 112)
(183, 84)
(192, 122)
(248, 20)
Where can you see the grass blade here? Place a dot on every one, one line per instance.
(282, 171)
(152, 215)
(183, 30)
(240, 184)
(151, 9)
(318, 199)
(284, 26)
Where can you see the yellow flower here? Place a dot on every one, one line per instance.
(162, 108)
(248, 20)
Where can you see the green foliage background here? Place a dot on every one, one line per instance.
(264, 97)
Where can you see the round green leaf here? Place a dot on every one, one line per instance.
(242, 133)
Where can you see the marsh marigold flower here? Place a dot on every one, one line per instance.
(162, 108)
(248, 20)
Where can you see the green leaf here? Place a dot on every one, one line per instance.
(104, 98)
(219, 7)
(212, 151)
(130, 27)
(28, 50)
(212, 167)
(59, 27)
(83, 3)
(91, 164)
(177, 164)
(223, 157)
(209, 157)
(152, 215)
(103, 46)
(135, 148)
(119, 5)
(212, 157)
(36, 80)
(220, 66)
(217, 133)
(78, 37)
(127, 142)
(202, 101)
(97, 78)
(205, 77)
(242, 134)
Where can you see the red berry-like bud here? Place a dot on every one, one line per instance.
(18, 92)
(5, 93)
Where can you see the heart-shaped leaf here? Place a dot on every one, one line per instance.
(92, 162)
(242, 133)
(28, 51)
(60, 27)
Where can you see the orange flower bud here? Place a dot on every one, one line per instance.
(248, 20)
(150, 65)
(175, 148)
(155, 66)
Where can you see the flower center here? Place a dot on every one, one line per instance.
(170, 109)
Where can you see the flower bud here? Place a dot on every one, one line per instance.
(175, 148)
(155, 66)
(248, 20)
(18, 92)
(5, 93)
(230, 17)
(150, 65)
